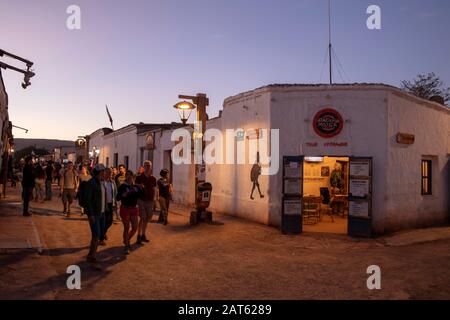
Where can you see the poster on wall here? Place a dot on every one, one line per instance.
(359, 209)
(292, 170)
(293, 207)
(292, 186)
(361, 169)
(359, 188)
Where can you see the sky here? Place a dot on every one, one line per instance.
(137, 56)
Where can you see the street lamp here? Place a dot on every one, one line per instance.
(200, 102)
(184, 110)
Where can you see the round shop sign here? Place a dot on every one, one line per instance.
(328, 123)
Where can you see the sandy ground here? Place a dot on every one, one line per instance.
(230, 259)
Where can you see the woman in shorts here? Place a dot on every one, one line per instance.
(128, 194)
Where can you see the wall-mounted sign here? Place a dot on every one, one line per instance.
(240, 135)
(292, 170)
(292, 207)
(292, 186)
(359, 188)
(358, 209)
(253, 134)
(249, 133)
(405, 138)
(149, 141)
(328, 123)
(360, 169)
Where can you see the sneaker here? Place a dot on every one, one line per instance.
(139, 240)
(144, 239)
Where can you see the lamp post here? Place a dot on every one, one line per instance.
(199, 102)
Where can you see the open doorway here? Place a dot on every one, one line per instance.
(325, 194)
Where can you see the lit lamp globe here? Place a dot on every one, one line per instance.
(184, 110)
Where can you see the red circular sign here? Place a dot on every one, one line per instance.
(328, 123)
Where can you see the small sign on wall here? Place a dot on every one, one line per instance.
(359, 188)
(359, 209)
(292, 170)
(405, 138)
(360, 169)
(292, 206)
(293, 186)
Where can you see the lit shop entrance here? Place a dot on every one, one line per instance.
(327, 194)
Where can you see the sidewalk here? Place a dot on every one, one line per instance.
(17, 231)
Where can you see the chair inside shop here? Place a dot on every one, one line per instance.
(311, 210)
(325, 207)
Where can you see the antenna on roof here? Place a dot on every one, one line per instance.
(329, 43)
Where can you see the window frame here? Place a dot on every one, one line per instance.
(427, 177)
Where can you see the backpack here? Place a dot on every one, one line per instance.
(82, 194)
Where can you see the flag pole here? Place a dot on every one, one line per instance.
(112, 126)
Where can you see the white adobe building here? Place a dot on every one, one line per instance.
(392, 149)
(130, 145)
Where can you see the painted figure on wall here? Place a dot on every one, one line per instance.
(254, 176)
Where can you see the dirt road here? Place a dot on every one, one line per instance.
(231, 259)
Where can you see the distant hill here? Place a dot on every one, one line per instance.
(48, 144)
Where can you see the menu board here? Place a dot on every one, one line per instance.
(361, 169)
(358, 208)
(359, 188)
(293, 207)
(292, 186)
(292, 170)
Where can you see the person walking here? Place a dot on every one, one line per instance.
(27, 184)
(48, 180)
(110, 199)
(114, 173)
(128, 193)
(164, 195)
(120, 177)
(39, 182)
(83, 178)
(146, 201)
(57, 173)
(69, 184)
(95, 197)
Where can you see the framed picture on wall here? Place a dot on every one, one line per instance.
(325, 171)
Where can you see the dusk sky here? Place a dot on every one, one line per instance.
(137, 56)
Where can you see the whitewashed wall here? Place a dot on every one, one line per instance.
(123, 142)
(430, 124)
(231, 182)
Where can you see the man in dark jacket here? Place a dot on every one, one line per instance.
(27, 185)
(95, 209)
